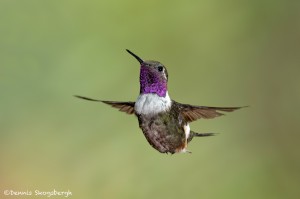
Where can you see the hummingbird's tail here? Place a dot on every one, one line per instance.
(194, 134)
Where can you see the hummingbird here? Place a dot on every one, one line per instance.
(163, 121)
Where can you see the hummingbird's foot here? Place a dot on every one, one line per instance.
(185, 151)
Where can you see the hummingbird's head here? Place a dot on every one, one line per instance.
(153, 77)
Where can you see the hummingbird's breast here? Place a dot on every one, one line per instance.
(151, 104)
(161, 123)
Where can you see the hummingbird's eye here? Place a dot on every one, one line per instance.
(160, 68)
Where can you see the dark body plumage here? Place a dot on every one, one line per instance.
(164, 122)
(164, 131)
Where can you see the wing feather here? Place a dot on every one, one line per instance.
(192, 113)
(127, 107)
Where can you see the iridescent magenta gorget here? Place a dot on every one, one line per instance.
(151, 82)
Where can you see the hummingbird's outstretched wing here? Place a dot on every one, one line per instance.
(192, 113)
(127, 107)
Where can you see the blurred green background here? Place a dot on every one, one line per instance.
(218, 53)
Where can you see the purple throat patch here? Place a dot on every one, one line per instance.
(152, 83)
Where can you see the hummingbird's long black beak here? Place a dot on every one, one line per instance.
(139, 59)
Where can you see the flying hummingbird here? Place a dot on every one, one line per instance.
(164, 122)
